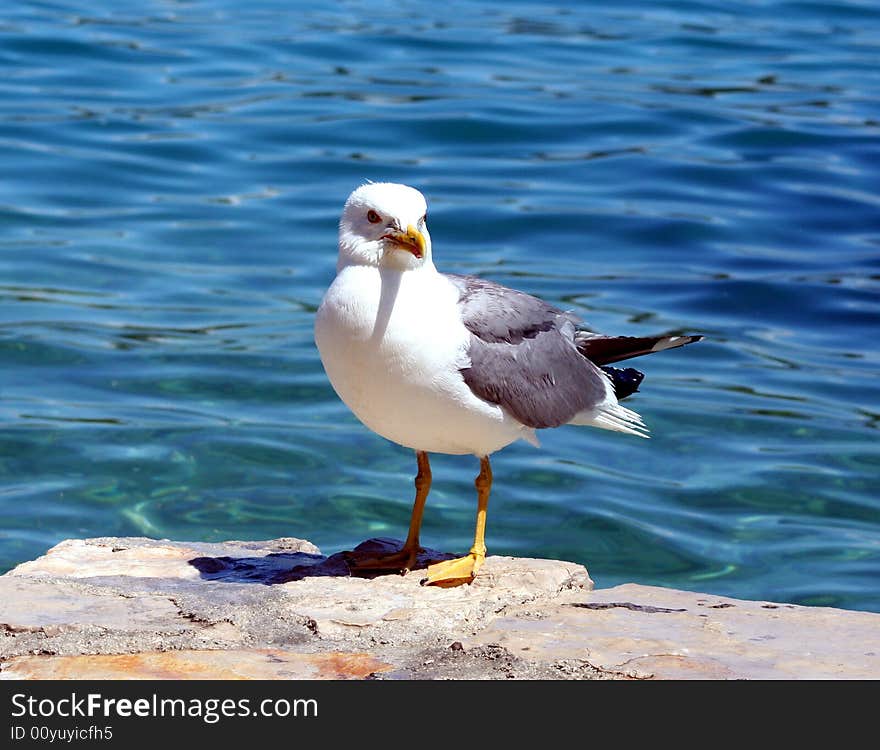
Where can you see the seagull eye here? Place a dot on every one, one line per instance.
(373, 217)
(423, 219)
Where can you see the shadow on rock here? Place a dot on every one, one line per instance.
(283, 567)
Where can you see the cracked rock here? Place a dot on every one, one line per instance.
(142, 608)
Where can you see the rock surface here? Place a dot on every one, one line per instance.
(143, 609)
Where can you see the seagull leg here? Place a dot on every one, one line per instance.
(463, 569)
(405, 559)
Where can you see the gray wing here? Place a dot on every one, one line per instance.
(523, 355)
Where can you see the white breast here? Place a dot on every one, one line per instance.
(392, 344)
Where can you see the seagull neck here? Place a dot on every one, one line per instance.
(425, 267)
(421, 271)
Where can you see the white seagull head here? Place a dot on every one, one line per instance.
(384, 224)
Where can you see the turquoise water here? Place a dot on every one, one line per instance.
(172, 177)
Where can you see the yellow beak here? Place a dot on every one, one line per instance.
(411, 240)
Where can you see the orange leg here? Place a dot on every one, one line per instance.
(464, 569)
(405, 559)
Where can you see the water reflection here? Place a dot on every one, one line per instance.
(172, 188)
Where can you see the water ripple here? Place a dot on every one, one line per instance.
(174, 175)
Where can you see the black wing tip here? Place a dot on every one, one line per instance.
(692, 339)
(674, 341)
(682, 339)
(606, 350)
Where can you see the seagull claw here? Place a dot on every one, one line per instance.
(455, 572)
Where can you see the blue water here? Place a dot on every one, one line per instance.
(172, 176)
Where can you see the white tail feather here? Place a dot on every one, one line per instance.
(610, 415)
(621, 419)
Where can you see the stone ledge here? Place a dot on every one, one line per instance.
(145, 609)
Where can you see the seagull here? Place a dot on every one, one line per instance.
(447, 363)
